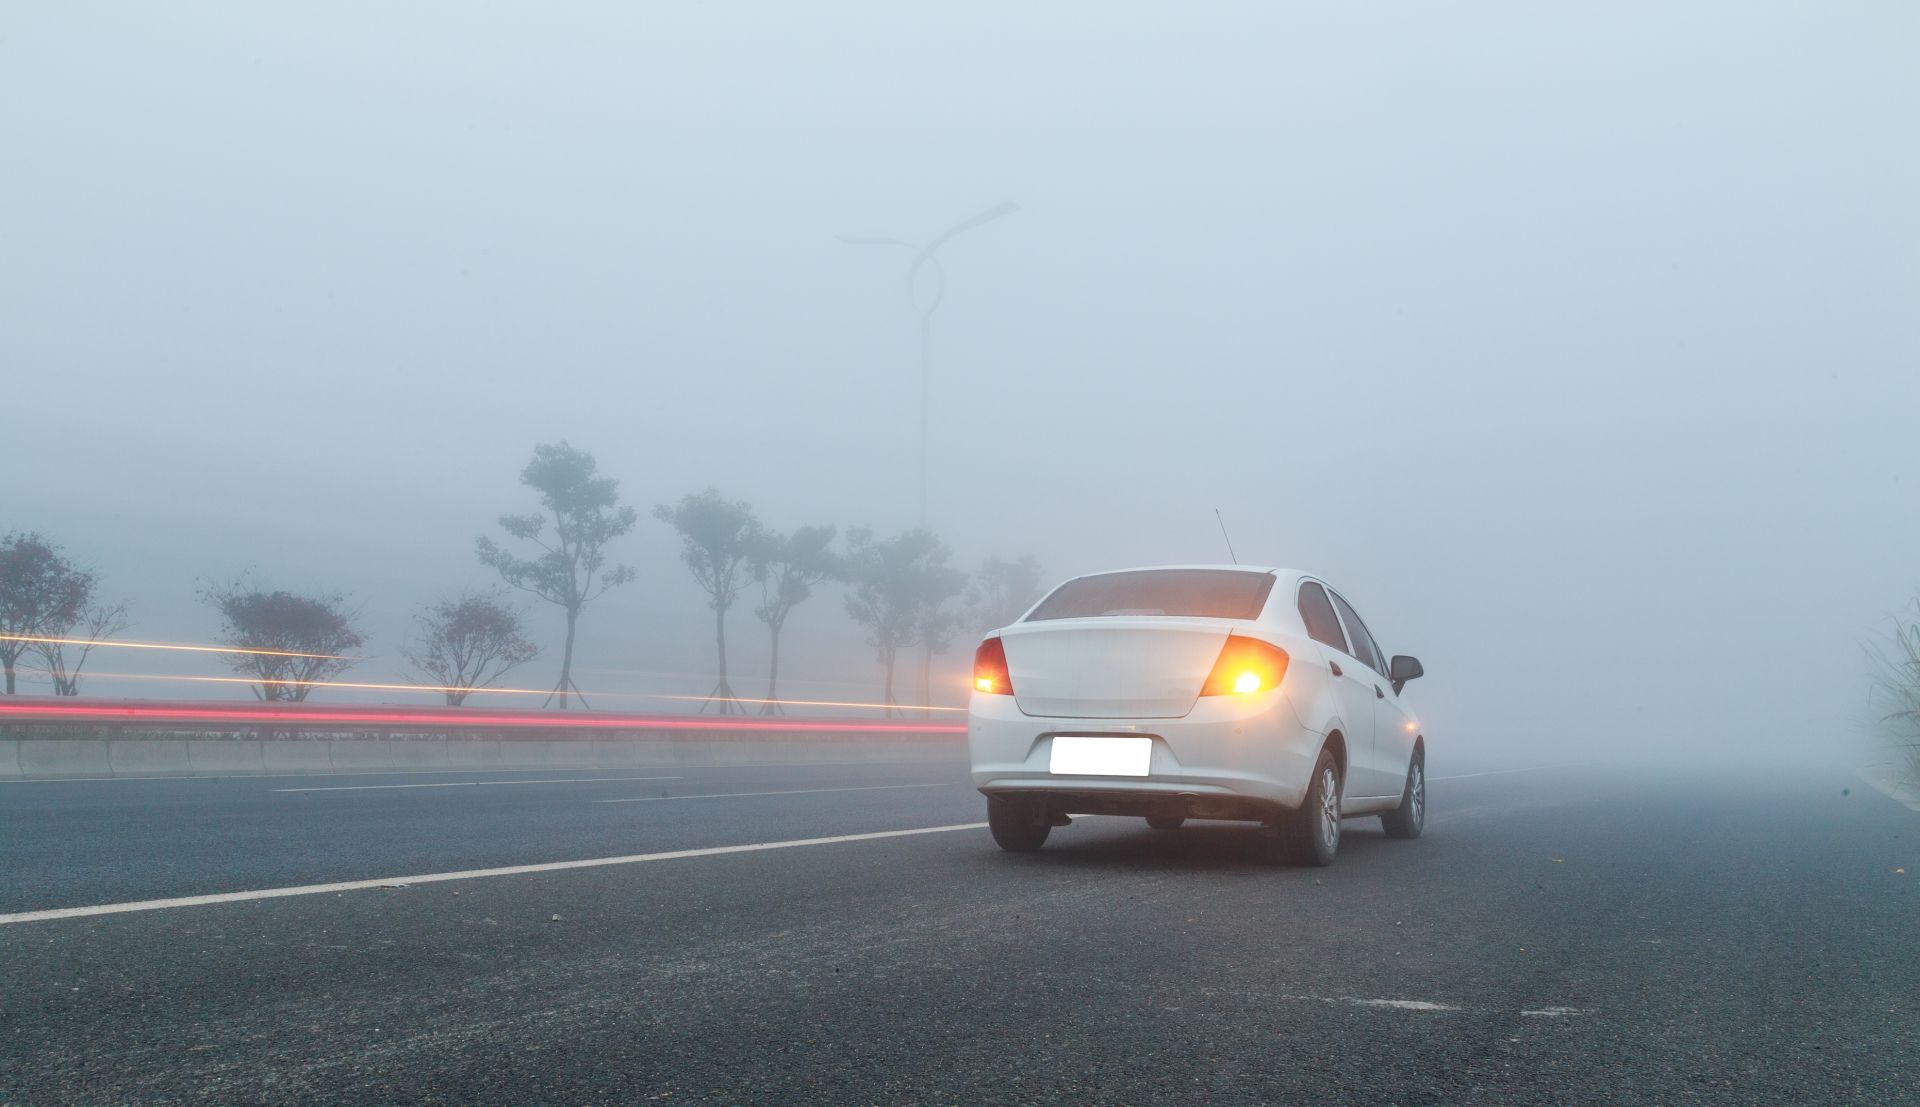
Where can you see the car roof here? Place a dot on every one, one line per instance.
(1275, 570)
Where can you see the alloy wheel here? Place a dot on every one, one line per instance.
(1330, 806)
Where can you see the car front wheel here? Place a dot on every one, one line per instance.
(1018, 826)
(1406, 820)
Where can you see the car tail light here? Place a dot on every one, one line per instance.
(1246, 666)
(990, 669)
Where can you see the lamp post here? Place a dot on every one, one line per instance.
(924, 260)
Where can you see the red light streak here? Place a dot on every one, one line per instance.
(437, 689)
(453, 718)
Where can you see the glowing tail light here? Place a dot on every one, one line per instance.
(1246, 666)
(990, 669)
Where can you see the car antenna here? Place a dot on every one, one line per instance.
(1223, 534)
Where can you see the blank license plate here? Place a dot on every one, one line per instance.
(1089, 755)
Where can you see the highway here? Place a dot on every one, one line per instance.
(1629, 934)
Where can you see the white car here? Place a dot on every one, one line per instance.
(1195, 692)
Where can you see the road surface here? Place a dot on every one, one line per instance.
(1643, 934)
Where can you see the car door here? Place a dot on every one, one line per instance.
(1377, 772)
(1394, 727)
(1352, 683)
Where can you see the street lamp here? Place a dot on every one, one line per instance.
(923, 259)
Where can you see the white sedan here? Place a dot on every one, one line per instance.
(1195, 692)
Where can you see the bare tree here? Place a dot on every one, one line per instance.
(717, 538)
(788, 567)
(1002, 591)
(94, 626)
(41, 592)
(1896, 676)
(467, 643)
(896, 585)
(570, 571)
(291, 643)
(939, 583)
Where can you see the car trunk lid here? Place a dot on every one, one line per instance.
(1112, 667)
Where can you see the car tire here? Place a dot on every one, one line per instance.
(1018, 826)
(1166, 822)
(1311, 835)
(1407, 820)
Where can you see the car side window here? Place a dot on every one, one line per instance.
(1317, 612)
(1363, 644)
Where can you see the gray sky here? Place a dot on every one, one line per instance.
(1577, 343)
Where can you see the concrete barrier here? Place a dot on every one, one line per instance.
(549, 755)
(381, 755)
(159, 757)
(215, 757)
(296, 757)
(9, 759)
(478, 754)
(644, 753)
(57, 757)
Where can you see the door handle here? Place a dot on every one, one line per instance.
(1335, 666)
(1378, 694)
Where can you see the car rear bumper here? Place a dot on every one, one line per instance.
(1230, 757)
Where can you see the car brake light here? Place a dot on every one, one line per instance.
(1246, 665)
(990, 669)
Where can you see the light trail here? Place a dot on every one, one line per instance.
(362, 685)
(438, 689)
(433, 718)
(811, 703)
(115, 644)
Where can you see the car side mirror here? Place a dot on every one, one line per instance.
(1402, 669)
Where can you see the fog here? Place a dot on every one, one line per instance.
(1577, 345)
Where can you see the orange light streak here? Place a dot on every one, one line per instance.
(442, 688)
(811, 703)
(169, 646)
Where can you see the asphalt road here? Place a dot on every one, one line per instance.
(1569, 935)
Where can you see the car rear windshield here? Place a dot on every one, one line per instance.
(1195, 593)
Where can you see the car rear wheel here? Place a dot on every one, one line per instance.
(1311, 835)
(1406, 820)
(1018, 826)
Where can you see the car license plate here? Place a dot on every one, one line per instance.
(1095, 755)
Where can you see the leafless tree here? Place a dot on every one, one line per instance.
(1896, 663)
(65, 659)
(467, 643)
(788, 567)
(897, 587)
(939, 583)
(717, 537)
(292, 643)
(1002, 591)
(41, 592)
(570, 569)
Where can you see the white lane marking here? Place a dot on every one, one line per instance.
(1431, 1005)
(1890, 786)
(473, 783)
(468, 874)
(1502, 772)
(787, 792)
